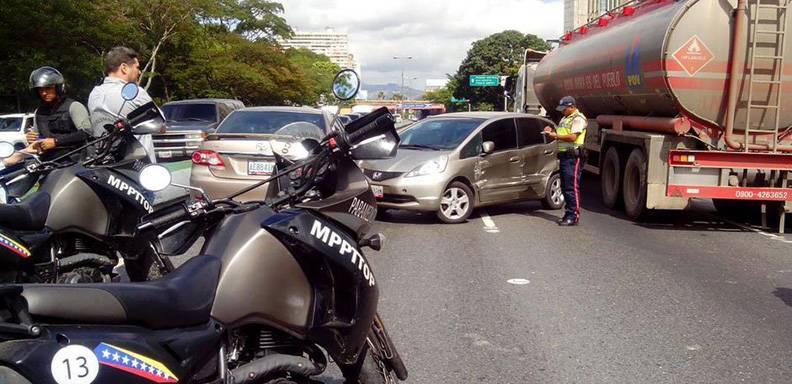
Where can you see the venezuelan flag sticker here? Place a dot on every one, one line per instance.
(134, 363)
(14, 246)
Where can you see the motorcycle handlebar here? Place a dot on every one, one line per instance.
(381, 123)
(6, 178)
(166, 219)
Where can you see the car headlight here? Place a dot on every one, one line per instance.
(430, 167)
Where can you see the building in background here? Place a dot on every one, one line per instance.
(332, 44)
(435, 84)
(579, 12)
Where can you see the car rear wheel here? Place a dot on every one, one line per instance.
(456, 203)
(554, 196)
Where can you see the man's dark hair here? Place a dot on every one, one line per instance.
(117, 56)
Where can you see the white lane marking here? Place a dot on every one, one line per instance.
(489, 224)
(518, 281)
(770, 236)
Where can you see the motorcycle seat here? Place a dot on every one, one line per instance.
(181, 299)
(29, 215)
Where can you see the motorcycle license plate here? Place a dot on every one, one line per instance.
(378, 191)
(259, 168)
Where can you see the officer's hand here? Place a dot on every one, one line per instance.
(31, 137)
(30, 149)
(44, 145)
(548, 129)
(48, 144)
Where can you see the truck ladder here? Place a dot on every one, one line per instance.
(773, 104)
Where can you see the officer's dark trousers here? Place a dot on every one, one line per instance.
(571, 171)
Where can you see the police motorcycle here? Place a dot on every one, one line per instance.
(85, 213)
(280, 285)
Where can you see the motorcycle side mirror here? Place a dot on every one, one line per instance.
(130, 91)
(3, 195)
(6, 149)
(346, 84)
(155, 177)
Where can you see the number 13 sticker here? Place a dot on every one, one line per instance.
(74, 364)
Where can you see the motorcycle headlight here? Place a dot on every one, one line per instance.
(431, 167)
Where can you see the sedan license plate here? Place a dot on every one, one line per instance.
(378, 191)
(165, 154)
(260, 168)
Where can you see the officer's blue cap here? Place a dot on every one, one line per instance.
(566, 101)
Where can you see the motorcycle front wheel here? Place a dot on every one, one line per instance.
(374, 371)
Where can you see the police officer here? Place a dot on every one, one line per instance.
(570, 135)
(60, 123)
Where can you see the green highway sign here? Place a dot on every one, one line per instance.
(484, 80)
(455, 100)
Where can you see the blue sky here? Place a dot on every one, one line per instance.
(436, 33)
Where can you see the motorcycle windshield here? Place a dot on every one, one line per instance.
(289, 139)
(381, 143)
(301, 130)
(146, 119)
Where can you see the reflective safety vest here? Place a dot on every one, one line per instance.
(565, 128)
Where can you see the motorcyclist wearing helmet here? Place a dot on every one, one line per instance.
(61, 123)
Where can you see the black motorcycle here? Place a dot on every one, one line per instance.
(85, 212)
(279, 286)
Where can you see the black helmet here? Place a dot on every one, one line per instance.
(47, 77)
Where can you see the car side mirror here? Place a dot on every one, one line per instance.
(487, 148)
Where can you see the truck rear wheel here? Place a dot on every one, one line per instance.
(611, 179)
(635, 185)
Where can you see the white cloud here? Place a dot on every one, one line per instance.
(436, 33)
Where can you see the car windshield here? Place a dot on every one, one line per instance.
(438, 134)
(10, 124)
(190, 112)
(266, 122)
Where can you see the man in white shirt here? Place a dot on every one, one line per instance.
(105, 102)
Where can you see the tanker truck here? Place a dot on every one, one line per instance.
(686, 100)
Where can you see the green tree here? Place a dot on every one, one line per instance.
(498, 54)
(316, 69)
(65, 34)
(189, 48)
(439, 96)
(381, 95)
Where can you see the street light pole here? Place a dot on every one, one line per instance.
(402, 72)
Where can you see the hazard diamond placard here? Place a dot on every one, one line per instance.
(693, 55)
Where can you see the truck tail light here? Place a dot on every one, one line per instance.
(687, 159)
(207, 158)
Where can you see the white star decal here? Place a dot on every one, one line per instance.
(125, 359)
(116, 356)
(134, 363)
(106, 354)
(151, 369)
(143, 366)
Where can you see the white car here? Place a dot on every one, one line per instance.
(13, 126)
